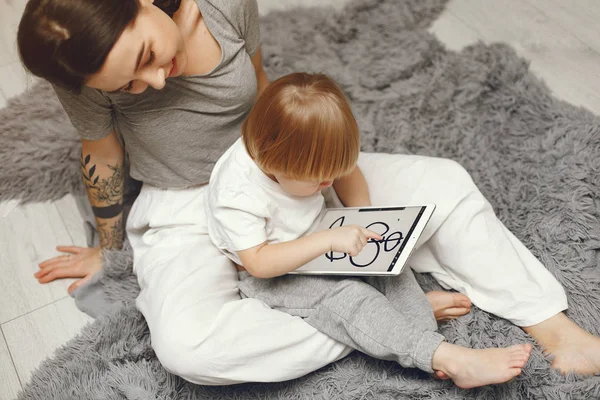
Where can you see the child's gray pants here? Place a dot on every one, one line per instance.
(385, 317)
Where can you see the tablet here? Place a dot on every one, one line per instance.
(400, 228)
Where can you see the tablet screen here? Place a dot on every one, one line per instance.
(397, 225)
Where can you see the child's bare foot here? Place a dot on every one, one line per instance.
(573, 349)
(448, 305)
(470, 368)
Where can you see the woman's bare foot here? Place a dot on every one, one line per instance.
(573, 349)
(470, 368)
(448, 305)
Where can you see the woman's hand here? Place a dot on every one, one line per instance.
(79, 262)
(350, 239)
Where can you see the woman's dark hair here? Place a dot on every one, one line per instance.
(66, 41)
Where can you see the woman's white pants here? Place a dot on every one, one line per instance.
(202, 330)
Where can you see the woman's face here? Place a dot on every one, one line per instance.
(149, 51)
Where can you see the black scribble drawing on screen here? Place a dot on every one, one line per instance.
(390, 241)
(399, 228)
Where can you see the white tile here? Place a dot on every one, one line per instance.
(7, 54)
(578, 17)
(266, 6)
(453, 32)
(513, 21)
(33, 337)
(567, 64)
(10, 16)
(14, 80)
(6, 207)
(571, 76)
(9, 382)
(29, 235)
(72, 218)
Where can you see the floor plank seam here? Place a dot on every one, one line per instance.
(565, 29)
(33, 310)
(12, 358)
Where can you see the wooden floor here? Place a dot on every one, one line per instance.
(560, 37)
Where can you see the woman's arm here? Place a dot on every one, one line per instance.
(261, 76)
(353, 190)
(102, 170)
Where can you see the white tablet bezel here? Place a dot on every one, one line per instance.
(404, 252)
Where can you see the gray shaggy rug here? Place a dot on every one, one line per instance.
(536, 158)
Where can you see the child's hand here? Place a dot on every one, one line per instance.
(350, 239)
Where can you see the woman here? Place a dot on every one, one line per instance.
(174, 130)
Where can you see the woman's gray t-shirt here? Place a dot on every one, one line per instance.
(175, 136)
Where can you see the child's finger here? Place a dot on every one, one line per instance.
(371, 235)
(362, 239)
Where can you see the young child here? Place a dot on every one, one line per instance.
(263, 202)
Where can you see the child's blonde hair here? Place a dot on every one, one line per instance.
(302, 126)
